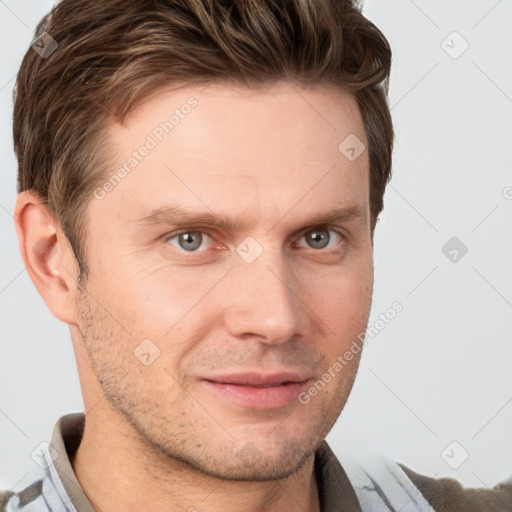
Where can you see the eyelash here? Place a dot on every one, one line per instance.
(205, 232)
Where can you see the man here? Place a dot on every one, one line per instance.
(200, 183)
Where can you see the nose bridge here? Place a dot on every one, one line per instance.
(262, 301)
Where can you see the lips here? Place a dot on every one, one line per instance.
(259, 380)
(256, 390)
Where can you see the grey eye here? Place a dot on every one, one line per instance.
(318, 238)
(189, 241)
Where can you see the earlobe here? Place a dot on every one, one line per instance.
(47, 255)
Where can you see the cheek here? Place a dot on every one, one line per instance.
(342, 297)
(170, 306)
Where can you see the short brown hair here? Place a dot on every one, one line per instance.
(112, 52)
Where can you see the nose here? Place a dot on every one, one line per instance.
(263, 302)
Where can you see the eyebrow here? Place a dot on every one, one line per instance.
(176, 216)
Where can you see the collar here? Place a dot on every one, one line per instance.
(66, 438)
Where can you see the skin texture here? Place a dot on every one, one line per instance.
(156, 433)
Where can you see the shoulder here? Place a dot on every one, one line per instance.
(27, 500)
(448, 495)
(45, 493)
(381, 484)
(5, 496)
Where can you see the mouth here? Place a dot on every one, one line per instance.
(258, 391)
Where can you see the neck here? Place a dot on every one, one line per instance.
(119, 471)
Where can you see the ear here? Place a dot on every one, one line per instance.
(47, 254)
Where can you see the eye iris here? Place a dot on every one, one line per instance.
(319, 238)
(190, 240)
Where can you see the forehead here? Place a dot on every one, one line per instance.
(231, 148)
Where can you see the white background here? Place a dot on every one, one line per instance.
(440, 371)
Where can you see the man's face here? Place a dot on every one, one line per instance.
(172, 304)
